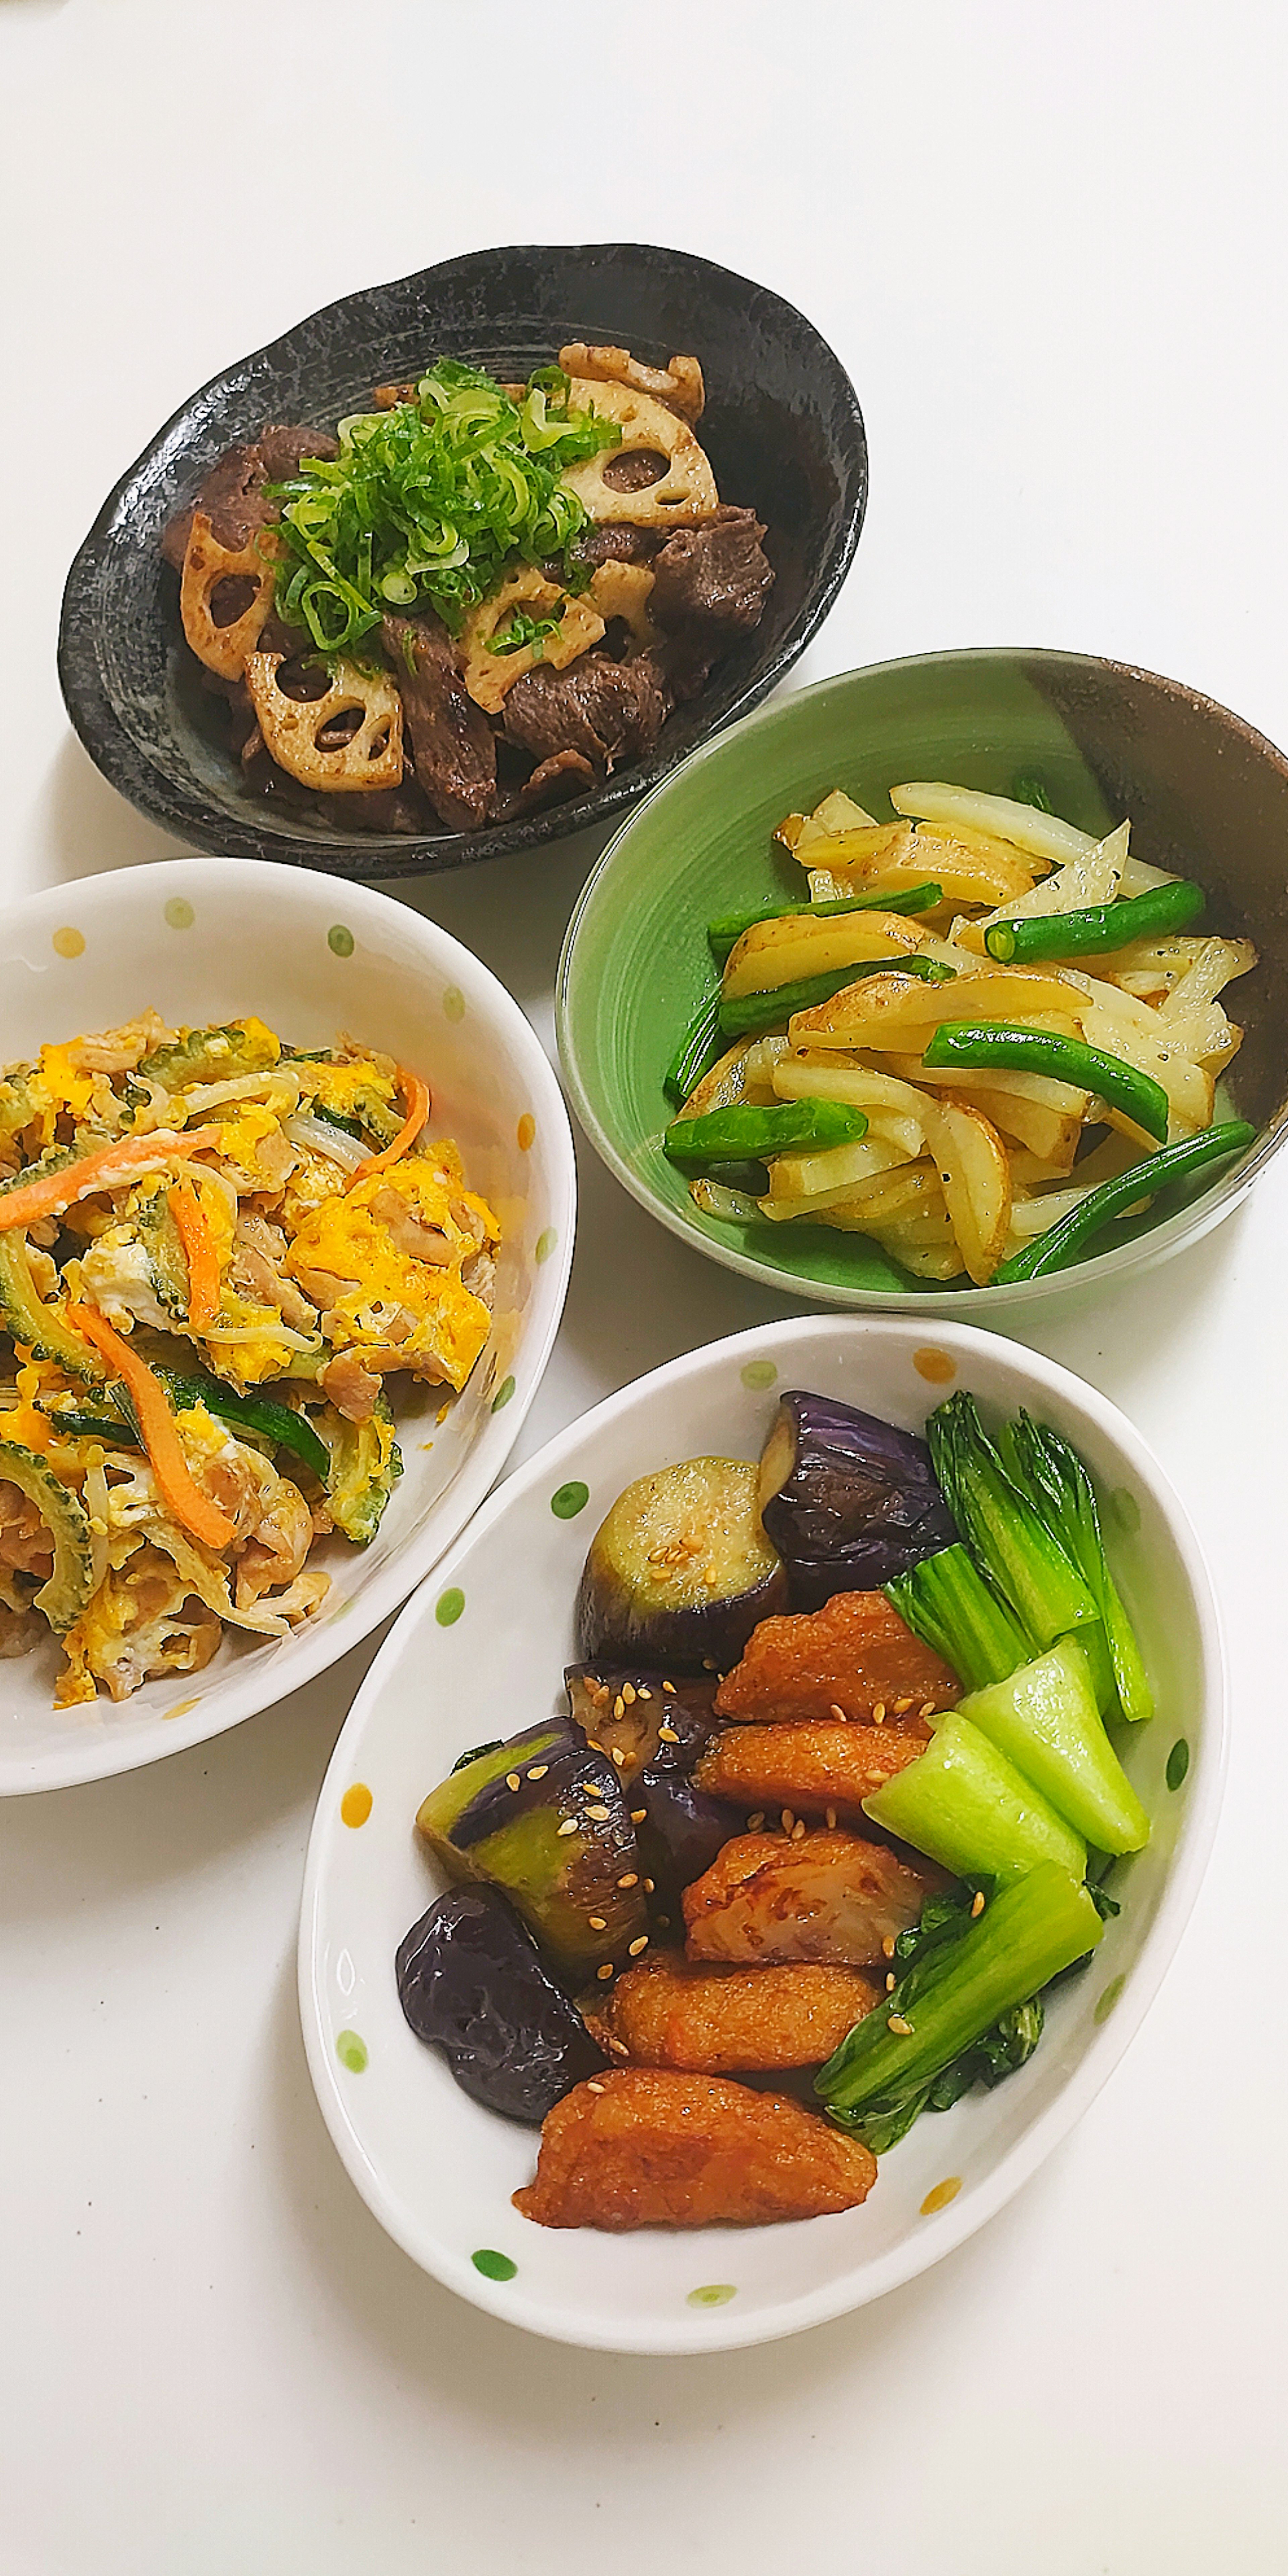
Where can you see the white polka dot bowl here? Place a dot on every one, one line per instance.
(480, 1652)
(210, 939)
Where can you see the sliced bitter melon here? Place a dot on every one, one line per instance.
(212, 1055)
(149, 1210)
(365, 1467)
(68, 1589)
(39, 1327)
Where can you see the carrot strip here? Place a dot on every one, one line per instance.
(54, 1192)
(417, 1096)
(201, 1253)
(181, 1494)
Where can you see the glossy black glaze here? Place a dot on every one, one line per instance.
(782, 427)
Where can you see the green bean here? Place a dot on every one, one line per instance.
(745, 1133)
(700, 1047)
(1063, 1242)
(996, 1043)
(1099, 926)
(750, 1014)
(725, 933)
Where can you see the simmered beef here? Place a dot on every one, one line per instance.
(619, 542)
(452, 744)
(232, 495)
(713, 576)
(603, 709)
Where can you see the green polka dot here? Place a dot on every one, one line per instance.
(503, 1394)
(546, 1243)
(713, 2294)
(179, 912)
(1124, 1510)
(1178, 1763)
(351, 2051)
(339, 940)
(453, 1003)
(1109, 1998)
(759, 1373)
(448, 1607)
(569, 1500)
(493, 2266)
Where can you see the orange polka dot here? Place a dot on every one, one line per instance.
(526, 1130)
(355, 1805)
(935, 1365)
(941, 2195)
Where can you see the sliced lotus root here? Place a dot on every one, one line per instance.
(678, 385)
(338, 732)
(489, 676)
(225, 596)
(657, 477)
(622, 590)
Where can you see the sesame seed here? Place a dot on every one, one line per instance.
(927, 1708)
(512, 1779)
(664, 1922)
(618, 1756)
(668, 1735)
(641, 1693)
(878, 1713)
(605, 1972)
(631, 1879)
(569, 1825)
(648, 1886)
(599, 1923)
(887, 1946)
(594, 2088)
(635, 1947)
(596, 1747)
(891, 1981)
(977, 1904)
(628, 1693)
(788, 1820)
(901, 1705)
(830, 1813)
(599, 1815)
(798, 1829)
(619, 2048)
(639, 1815)
(902, 2029)
(619, 1706)
(755, 1822)
(669, 1686)
(838, 1712)
(538, 1771)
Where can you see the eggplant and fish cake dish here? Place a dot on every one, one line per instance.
(472, 599)
(830, 1803)
(217, 1253)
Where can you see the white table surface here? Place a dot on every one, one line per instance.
(1049, 244)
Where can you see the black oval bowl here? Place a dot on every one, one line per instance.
(782, 427)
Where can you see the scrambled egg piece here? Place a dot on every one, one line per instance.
(355, 1089)
(364, 1256)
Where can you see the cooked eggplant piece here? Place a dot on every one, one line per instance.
(849, 1501)
(768, 1900)
(472, 1984)
(852, 1659)
(543, 1819)
(681, 1570)
(623, 1708)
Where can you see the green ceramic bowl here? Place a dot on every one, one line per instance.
(1207, 797)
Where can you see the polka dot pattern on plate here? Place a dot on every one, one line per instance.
(1178, 1763)
(179, 913)
(69, 942)
(525, 1131)
(935, 1366)
(351, 2050)
(356, 1804)
(503, 1394)
(449, 1605)
(570, 1500)
(758, 1373)
(494, 2266)
(942, 2193)
(712, 2294)
(546, 1243)
(1109, 1998)
(339, 940)
(453, 1003)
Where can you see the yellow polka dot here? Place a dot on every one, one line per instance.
(527, 1129)
(69, 943)
(934, 1365)
(941, 2195)
(180, 1709)
(355, 1805)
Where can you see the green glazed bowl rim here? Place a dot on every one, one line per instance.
(1185, 1226)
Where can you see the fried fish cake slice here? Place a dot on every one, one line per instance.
(767, 1900)
(735, 2021)
(808, 1768)
(846, 1660)
(645, 2147)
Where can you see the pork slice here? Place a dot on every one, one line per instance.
(452, 744)
(713, 577)
(232, 496)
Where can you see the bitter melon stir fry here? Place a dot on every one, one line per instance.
(215, 1251)
(475, 598)
(982, 1040)
(826, 1812)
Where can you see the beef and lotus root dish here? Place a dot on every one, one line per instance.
(474, 599)
(217, 1256)
(828, 1809)
(984, 1040)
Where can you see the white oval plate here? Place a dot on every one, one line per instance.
(213, 940)
(480, 1652)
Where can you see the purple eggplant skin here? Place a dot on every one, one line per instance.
(622, 1708)
(679, 1828)
(680, 1571)
(849, 1501)
(472, 1985)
